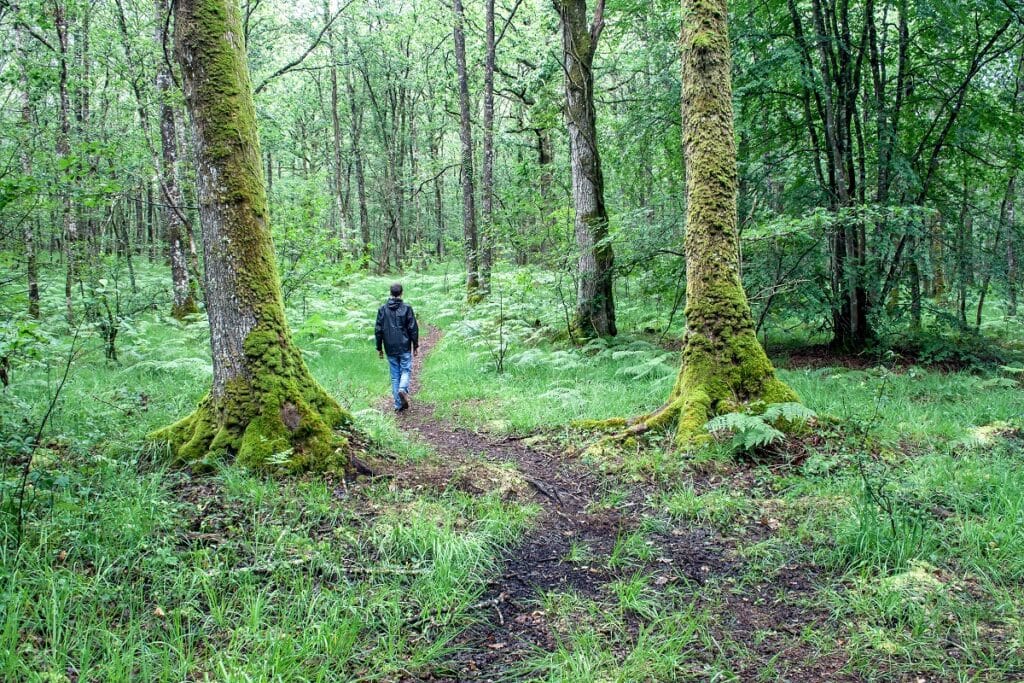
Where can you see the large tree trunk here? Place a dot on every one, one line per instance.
(469, 231)
(264, 407)
(724, 368)
(595, 305)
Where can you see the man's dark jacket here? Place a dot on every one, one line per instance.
(396, 328)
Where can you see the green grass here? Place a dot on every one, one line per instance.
(907, 514)
(119, 578)
(595, 642)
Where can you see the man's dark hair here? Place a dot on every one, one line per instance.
(396, 289)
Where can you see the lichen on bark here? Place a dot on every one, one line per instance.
(264, 407)
(723, 367)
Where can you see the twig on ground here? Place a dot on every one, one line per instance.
(553, 495)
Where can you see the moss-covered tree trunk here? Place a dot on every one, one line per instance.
(595, 303)
(724, 368)
(264, 407)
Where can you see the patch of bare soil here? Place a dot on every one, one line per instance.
(766, 619)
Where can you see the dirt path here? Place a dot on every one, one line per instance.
(570, 497)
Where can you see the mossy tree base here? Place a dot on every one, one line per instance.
(279, 418)
(715, 379)
(264, 409)
(185, 309)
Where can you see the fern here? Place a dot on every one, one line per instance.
(792, 413)
(281, 458)
(749, 432)
(652, 366)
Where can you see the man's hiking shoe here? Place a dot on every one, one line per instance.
(403, 396)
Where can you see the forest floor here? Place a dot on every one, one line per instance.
(489, 544)
(766, 619)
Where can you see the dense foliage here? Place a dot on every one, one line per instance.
(878, 147)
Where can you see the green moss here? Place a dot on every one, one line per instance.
(724, 368)
(594, 425)
(186, 308)
(277, 418)
(273, 414)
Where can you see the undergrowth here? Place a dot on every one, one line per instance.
(899, 509)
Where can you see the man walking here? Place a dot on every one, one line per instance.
(398, 335)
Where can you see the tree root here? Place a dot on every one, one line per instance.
(688, 412)
(633, 427)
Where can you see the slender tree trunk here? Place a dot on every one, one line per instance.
(124, 237)
(914, 274)
(31, 266)
(545, 161)
(1007, 219)
(69, 219)
(595, 303)
(1011, 271)
(339, 194)
(965, 228)
(487, 180)
(355, 129)
(469, 229)
(1009, 211)
(183, 284)
(264, 407)
(435, 153)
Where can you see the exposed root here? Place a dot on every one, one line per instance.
(689, 413)
(654, 421)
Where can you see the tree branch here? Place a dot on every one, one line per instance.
(296, 62)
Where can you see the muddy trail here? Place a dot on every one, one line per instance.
(574, 513)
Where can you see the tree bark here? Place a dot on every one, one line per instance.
(435, 153)
(355, 129)
(183, 301)
(264, 406)
(339, 193)
(28, 233)
(487, 180)
(595, 303)
(724, 368)
(469, 228)
(68, 218)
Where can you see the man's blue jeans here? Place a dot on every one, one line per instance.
(401, 373)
